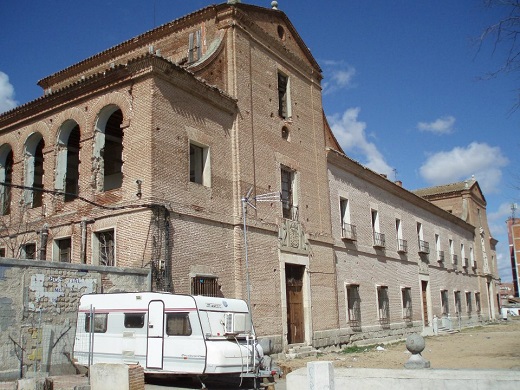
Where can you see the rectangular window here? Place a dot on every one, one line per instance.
(100, 323)
(353, 306)
(472, 258)
(348, 231)
(28, 251)
(456, 297)
(205, 285)
(178, 324)
(63, 250)
(463, 257)
(402, 245)
(283, 96)
(383, 304)
(379, 238)
(105, 247)
(289, 207)
(406, 298)
(199, 164)
(134, 320)
(2, 252)
(444, 302)
(477, 302)
(440, 253)
(469, 305)
(194, 46)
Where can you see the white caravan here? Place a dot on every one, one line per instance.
(168, 334)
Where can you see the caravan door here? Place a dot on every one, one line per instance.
(155, 335)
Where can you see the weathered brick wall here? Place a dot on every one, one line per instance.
(38, 309)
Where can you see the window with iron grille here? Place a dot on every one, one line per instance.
(383, 304)
(469, 305)
(406, 295)
(287, 184)
(348, 231)
(205, 285)
(353, 305)
(106, 248)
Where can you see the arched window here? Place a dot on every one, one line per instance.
(67, 166)
(6, 173)
(34, 170)
(108, 149)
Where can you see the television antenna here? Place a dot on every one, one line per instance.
(246, 201)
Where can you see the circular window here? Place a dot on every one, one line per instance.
(281, 32)
(285, 133)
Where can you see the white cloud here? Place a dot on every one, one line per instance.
(478, 159)
(443, 125)
(337, 75)
(7, 101)
(352, 137)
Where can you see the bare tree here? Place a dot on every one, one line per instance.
(505, 35)
(15, 232)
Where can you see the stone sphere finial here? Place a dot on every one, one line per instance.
(274, 4)
(415, 344)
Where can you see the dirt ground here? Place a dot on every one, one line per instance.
(495, 346)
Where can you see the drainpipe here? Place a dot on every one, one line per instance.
(44, 235)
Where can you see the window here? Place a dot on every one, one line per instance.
(6, 176)
(2, 252)
(134, 320)
(108, 149)
(353, 306)
(285, 133)
(406, 298)
(28, 251)
(445, 303)
(289, 208)
(379, 238)
(463, 257)
(100, 322)
(195, 46)
(456, 296)
(284, 109)
(205, 285)
(199, 166)
(383, 304)
(63, 250)
(477, 302)
(472, 258)
(348, 231)
(33, 175)
(402, 245)
(424, 247)
(469, 306)
(67, 166)
(440, 254)
(178, 324)
(105, 251)
(452, 254)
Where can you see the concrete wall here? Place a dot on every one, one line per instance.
(38, 304)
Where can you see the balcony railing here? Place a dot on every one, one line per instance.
(424, 247)
(402, 245)
(379, 240)
(454, 260)
(348, 232)
(440, 256)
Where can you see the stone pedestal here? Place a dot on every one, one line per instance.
(415, 344)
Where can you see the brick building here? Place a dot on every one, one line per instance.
(513, 235)
(147, 155)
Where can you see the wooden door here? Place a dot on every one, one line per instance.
(294, 293)
(424, 288)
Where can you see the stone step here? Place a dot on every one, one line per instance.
(300, 351)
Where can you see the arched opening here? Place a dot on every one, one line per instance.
(108, 150)
(34, 172)
(6, 175)
(67, 167)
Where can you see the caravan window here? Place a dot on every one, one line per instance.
(100, 323)
(134, 320)
(178, 324)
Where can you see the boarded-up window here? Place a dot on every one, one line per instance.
(64, 250)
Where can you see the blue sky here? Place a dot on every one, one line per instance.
(404, 82)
